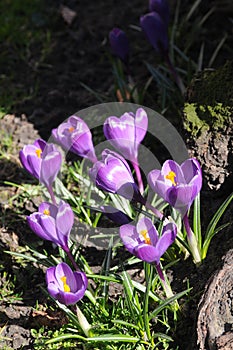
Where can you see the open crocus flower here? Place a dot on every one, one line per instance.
(127, 132)
(113, 175)
(64, 285)
(155, 30)
(41, 160)
(177, 184)
(53, 223)
(119, 44)
(144, 241)
(74, 135)
(161, 7)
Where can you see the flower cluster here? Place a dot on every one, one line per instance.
(53, 222)
(177, 184)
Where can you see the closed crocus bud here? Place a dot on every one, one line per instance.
(74, 135)
(155, 30)
(127, 132)
(53, 223)
(64, 285)
(41, 160)
(113, 175)
(177, 184)
(161, 7)
(144, 242)
(119, 44)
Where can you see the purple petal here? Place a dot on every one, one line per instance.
(171, 166)
(130, 237)
(147, 253)
(181, 196)
(155, 30)
(34, 163)
(47, 223)
(50, 167)
(119, 44)
(192, 173)
(145, 225)
(167, 238)
(34, 223)
(65, 217)
(48, 209)
(162, 7)
(141, 124)
(62, 270)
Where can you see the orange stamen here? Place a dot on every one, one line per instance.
(144, 234)
(46, 212)
(171, 176)
(38, 152)
(71, 129)
(65, 285)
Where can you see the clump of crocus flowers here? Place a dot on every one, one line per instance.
(178, 185)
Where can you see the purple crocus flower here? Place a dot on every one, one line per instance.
(64, 285)
(113, 175)
(177, 184)
(127, 132)
(74, 135)
(161, 7)
(119, 44)
(155, 30)
(144, 242)
(41, 160)
(53, 223)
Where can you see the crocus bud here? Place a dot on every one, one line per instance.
(119, 44)
(74, 135)
(53, 223)
(155, 30)
(64, 285)
(177, 184)
(162, 8)
(144, 241)
(113, 175)
(41, 160)
(127, 132)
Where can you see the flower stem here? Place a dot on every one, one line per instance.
(70, 256)
(148, 274)
(139, 177)
(192, 241)
(176, 76)
(157, 213)
(165, 284)
(84, 324)
(52, 195)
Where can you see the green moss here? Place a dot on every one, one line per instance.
(211, 87)
(200, 118)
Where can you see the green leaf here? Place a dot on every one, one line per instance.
(197, 220)
(167, 302)
(211, 229)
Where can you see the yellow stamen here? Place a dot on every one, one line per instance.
(71, 129)
(38, 152)
(144, 234)
(65, 285)
(171, 176)
(46, 212)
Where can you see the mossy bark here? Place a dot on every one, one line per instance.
(207, 120)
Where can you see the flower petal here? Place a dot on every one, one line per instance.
(147, 253)
(130, 237)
